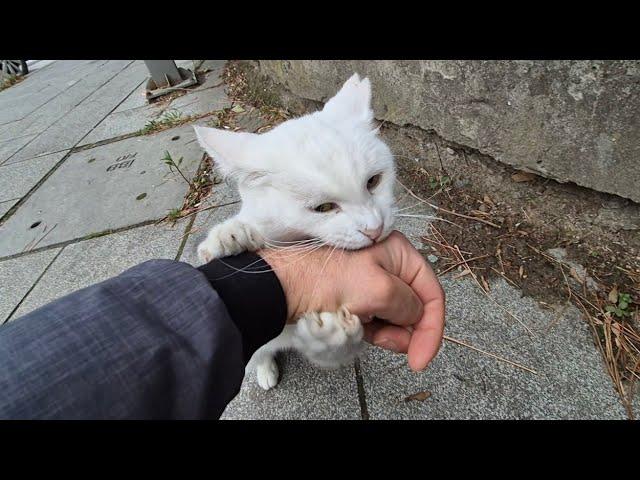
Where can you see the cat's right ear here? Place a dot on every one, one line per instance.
(228, 149)
(352, 103)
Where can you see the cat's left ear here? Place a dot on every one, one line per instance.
(352, 103)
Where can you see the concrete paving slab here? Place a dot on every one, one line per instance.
(91, 261)
(49, 114)
(18, 275)
(61, 73)
(304, 393)
(464, 384)
(102, 188)
(213, 64)
(72, 89)
(38, 64)
(136, 99)
(67, 132)
(201, 102)
(123, 123)
(213, 77)
(38, 87)
(17, 103)
(6, 205)
(17, 179)
(9, 147)
(31, 125)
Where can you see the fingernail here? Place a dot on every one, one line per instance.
(388, 344)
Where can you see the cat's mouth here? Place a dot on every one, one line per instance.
(360, 241)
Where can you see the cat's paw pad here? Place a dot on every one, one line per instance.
(230, 238)
(267, 374)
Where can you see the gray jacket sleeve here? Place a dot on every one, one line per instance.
(156, 342)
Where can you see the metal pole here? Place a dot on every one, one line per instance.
(164, 73)
(166, 77)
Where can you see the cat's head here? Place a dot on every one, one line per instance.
(325, 175)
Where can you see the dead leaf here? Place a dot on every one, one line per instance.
(521, 271)
(487, 199)
(523, 177)
(420, 396)
(484, 283)
(575, 275)
(613, 295)
(480, 212)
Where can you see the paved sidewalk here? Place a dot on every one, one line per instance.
(80, 200)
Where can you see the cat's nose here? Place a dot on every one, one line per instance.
(373, 234)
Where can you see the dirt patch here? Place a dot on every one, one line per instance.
(199, 187)
(538, 213)
(7, 82)
(598, 269)
(507, 250)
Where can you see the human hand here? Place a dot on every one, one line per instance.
(388, 285)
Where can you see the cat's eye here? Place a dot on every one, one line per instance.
(373, 181)
(326, 207)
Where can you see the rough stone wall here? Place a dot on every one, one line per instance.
(573, 121)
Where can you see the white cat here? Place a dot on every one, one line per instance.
(323, 178)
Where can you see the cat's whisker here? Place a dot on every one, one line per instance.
(295, 249)
(315, 239)
(276, 244)
(300, 256)
(322, 270)
(429, 217)
(270, 269)
(300, 250)
(243, 270)
(293, 246)
(419, 204)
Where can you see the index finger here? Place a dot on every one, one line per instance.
(409, 265)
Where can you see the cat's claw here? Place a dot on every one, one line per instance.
(329, 339)
(229, 238)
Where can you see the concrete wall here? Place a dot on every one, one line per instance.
(575, 121)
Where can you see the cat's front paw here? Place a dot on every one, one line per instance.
(229, 238)
(329, 339)
(267, 373)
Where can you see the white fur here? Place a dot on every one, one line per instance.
(282, 175)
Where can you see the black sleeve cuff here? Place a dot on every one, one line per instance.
(255, 301)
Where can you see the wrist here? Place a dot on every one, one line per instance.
(245, 285)
(304, 279)
(290, 280)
